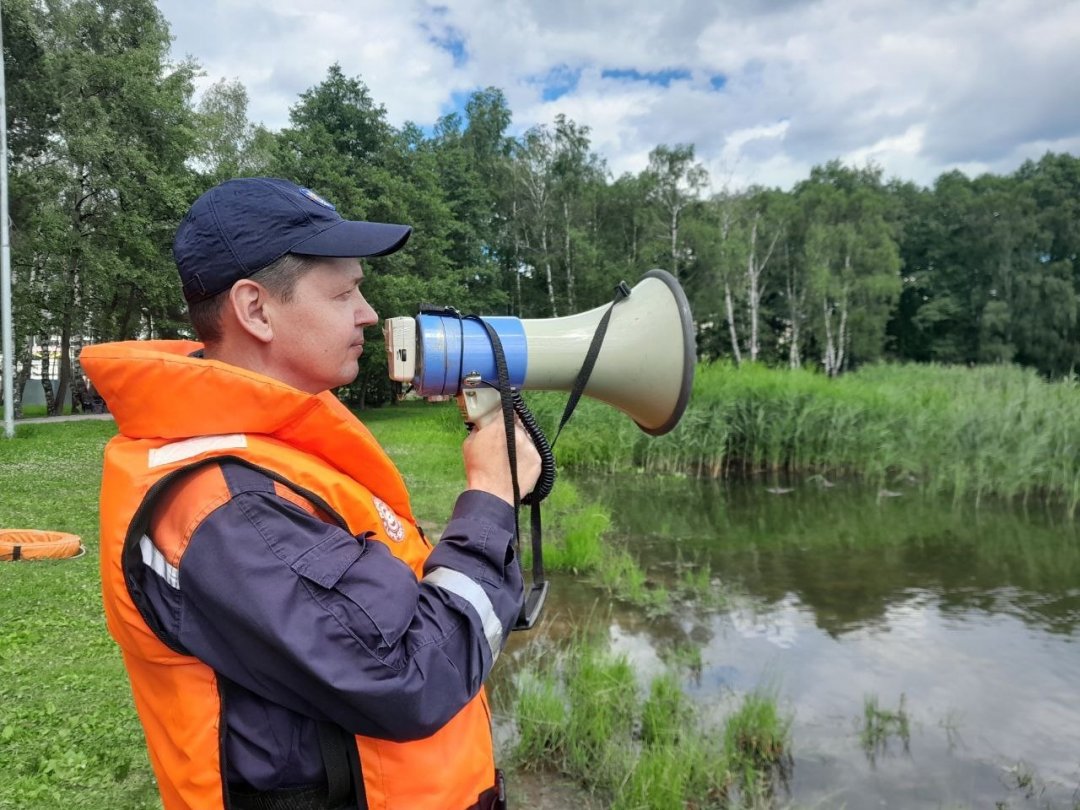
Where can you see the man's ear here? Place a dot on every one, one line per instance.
(248, 300)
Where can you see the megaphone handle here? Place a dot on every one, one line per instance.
(479, 406)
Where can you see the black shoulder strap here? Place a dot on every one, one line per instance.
(622, 290)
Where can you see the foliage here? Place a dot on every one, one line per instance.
(98, 176)
(757, 744)
(998, 431)
(582, 713)
(109, 147)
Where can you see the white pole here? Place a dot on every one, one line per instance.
(5, 259)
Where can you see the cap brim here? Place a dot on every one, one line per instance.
(349, 239)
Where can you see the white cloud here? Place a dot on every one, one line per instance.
(919, 87)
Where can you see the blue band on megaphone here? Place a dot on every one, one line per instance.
(452, 347)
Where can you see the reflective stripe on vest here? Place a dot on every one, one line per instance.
(457, 583)
(156, 562)
(189, 448)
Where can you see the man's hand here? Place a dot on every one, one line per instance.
(487, 465)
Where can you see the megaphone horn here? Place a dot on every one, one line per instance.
(645, 366)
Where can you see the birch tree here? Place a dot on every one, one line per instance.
(853, 263)
(676, 183)
(533, 165)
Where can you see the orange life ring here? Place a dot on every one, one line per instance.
(33, 544)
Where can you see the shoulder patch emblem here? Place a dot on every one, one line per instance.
(390, 521)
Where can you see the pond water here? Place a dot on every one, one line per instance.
(833, 594)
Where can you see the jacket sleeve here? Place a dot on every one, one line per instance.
(333, 626)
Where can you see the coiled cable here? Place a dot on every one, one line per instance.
(547, 457)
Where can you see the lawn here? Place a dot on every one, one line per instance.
(68, 730)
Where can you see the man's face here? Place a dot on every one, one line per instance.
(318, 335)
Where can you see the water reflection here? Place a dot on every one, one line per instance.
(834, 595)
(848, 554)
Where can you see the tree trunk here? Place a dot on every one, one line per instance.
(569, 260)
(22, 374)
(753, 302)
(675, 242)
(841, 343)
(547, 271)
(729, 305)
(124, 331)
(755, 271)
(794, 310)
(516, 258)
(80, 394)
(363, 391)
(835, 344)
(46, 375)
(794, 358)
(829, 358)
(63, 384)
(842, 336)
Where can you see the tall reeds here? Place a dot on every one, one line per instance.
(583, 713)
(990, 431)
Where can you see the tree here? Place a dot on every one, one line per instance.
(104, 178)
(533, 173)
(852, 262)
(676, 182)
(228, 145)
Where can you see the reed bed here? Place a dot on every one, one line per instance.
(583, 713)
(990, 431)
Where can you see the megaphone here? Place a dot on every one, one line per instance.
(644, 367)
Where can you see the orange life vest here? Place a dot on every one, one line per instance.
(175, 412)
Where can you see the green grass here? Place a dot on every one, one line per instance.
(582, 714)
(879, 725)
(424, 440)
(31, 411)
(757, 745)
(68, 729)
(997, 431)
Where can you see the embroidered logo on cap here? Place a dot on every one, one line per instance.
(390, 521)
(315, 198)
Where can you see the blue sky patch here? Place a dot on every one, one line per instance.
(445, 36)
(452, 41)
(664, 78)
(718, 82)
(455, 103)
(557, 82)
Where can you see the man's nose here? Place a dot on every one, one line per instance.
(366, 314)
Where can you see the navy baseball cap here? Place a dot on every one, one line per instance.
(239, 227)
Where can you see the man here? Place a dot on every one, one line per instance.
(292, 639)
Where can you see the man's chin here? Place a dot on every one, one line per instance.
(349, 375)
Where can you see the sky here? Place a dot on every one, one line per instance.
(763, 89)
